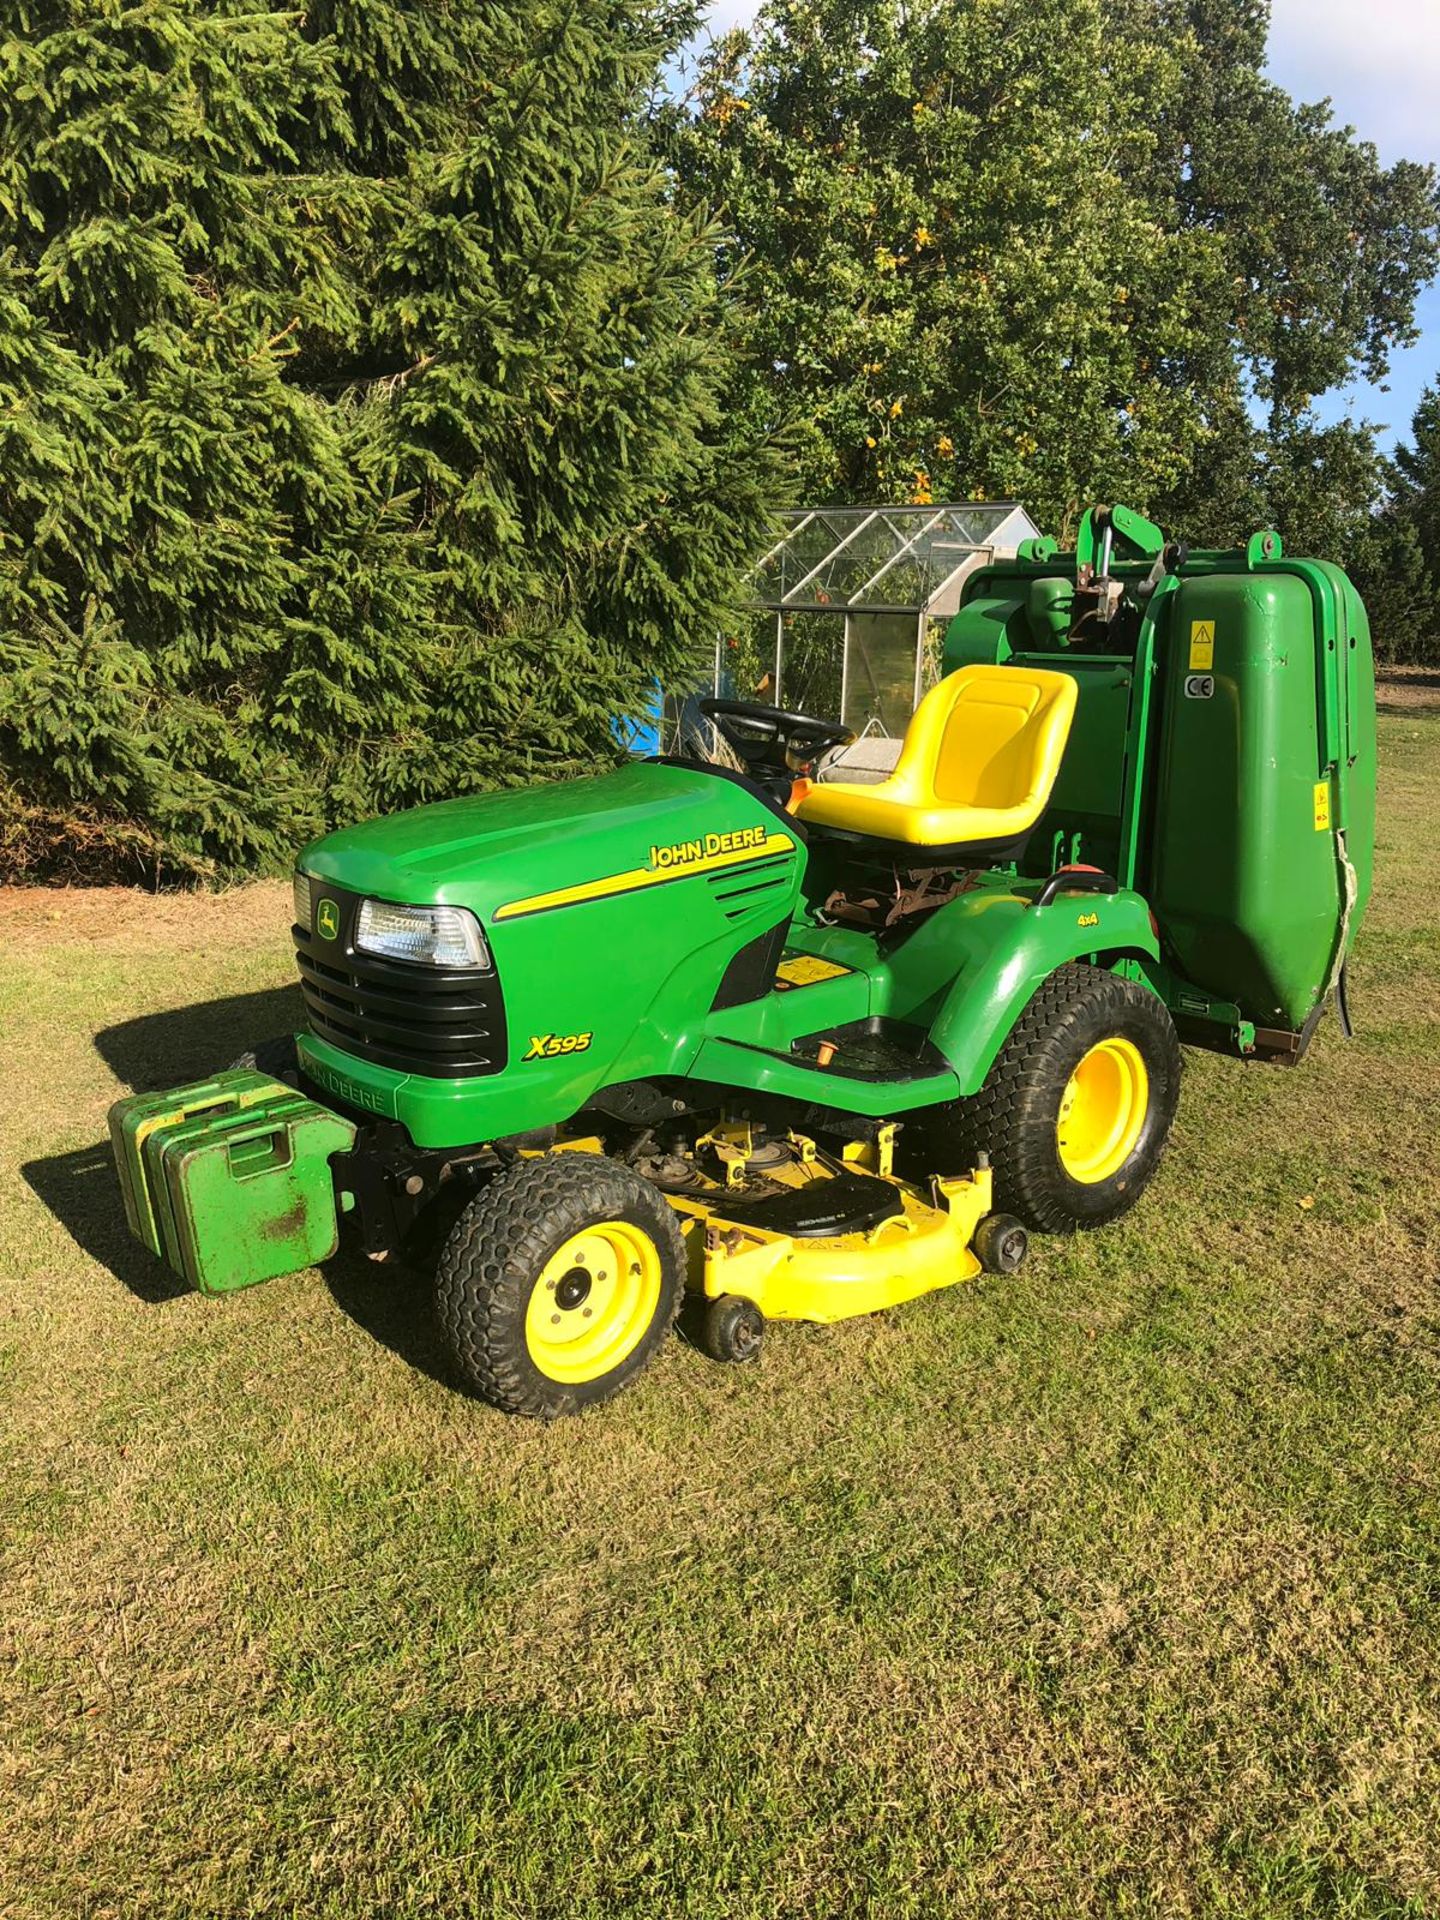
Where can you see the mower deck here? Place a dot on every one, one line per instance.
(807, 1235)
(920, 1249)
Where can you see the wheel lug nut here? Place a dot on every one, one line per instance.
(555, 1319)
(587, 1313)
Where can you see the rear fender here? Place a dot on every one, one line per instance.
(1005, 947)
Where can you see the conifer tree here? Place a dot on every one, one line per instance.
(364, 424)
(1396, 556)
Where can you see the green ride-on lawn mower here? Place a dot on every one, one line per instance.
(804, 1048)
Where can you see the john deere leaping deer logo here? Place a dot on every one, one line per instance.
(327, 920)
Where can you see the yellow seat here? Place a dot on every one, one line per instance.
(980, 757)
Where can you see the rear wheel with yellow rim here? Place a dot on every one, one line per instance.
(1077, 1109)
(1102, 1110)
(558, 1283)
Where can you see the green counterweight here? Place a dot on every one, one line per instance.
(229, 1180)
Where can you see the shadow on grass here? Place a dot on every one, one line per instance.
(82, 1192)
(185, 1043)
(388, 1299)
(1407, 691)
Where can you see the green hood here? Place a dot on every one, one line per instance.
(488, 849)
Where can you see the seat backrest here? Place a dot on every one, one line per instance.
(988, 736)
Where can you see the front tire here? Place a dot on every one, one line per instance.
(1077, 1109)
(558, 1282)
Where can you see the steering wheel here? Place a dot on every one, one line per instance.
(770, 739)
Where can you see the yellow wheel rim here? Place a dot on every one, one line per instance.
(1102, 1111)
(593, 1302)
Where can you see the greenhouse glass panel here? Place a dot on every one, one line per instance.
(812, 664)
(849, 604)
(880, 672)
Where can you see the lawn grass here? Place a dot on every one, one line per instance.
(1112, 1589)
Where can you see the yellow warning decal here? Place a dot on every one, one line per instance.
(806, 970)
(1202, 645)
(632, 881)
(1322, 806)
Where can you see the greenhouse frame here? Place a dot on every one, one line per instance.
(854, 593)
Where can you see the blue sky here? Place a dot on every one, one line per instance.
(1378, 62)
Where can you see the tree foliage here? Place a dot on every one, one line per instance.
(365, 430)
(389, 392)
(1396, 557)
(1057, 250)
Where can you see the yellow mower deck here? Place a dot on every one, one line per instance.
(834, 1277)
(925, 1248)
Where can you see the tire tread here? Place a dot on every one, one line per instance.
(489, 1265)
(999, 1119)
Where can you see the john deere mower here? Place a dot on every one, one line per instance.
(796, 1047)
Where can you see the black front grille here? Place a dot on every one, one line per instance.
(416, 1019)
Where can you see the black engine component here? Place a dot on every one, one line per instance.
(821, 1210)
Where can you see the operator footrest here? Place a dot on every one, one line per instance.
(872, 1049)
(821, 1210)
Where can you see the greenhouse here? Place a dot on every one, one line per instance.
(848, 608)
(856, 597)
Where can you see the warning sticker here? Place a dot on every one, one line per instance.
(806, 970)
(1202, 645)
(1322, 806)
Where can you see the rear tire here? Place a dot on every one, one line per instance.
(1077, 1109)
(558, 1282)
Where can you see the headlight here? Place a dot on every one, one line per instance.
(302, 902)
(435, 936)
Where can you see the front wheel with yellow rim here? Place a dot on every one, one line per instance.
(1077, 1109)
(558, 1283)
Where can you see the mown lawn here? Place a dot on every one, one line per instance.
(1110, 1590)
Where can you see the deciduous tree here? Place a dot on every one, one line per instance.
(1060, 250)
